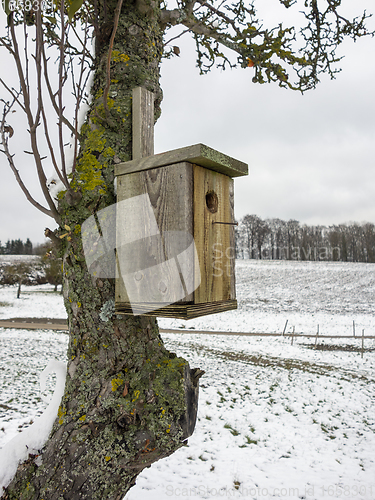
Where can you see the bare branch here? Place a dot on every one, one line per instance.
(177, 16)
(176, 37)
(4, 141)
(38, 64)
(171, 17)
(25, 34)
(51, 94)
(85, 51)
(7, 45)
(108, 76)
(14, 94)
(200, 28)
(21, 76)
(60, 93)
(32, 123)
(79, 96)
(51, 150)
(203, 3)
(52, 236)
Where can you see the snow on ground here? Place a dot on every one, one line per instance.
(307, 294)
(13, 259)
(39, 301)
(275, 420)
(33, 438)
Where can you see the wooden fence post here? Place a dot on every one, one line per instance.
(286, 322)
(363, 343)
(316, 336)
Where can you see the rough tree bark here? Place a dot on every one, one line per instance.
(128, 401)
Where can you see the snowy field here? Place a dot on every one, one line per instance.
(275, 420)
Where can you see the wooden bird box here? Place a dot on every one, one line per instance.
(190, 192)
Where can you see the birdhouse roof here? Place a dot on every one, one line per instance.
(199, 154)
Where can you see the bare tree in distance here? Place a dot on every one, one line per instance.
(128, 401)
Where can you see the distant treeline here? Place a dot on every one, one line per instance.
(16, 247)
(276, 239)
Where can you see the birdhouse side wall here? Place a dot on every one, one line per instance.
(214, 235)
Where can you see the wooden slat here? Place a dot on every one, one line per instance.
(142, 123)
(232, 243)
(213, 241)
(198, 154)
(179, 311)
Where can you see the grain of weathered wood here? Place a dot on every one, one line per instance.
(232, 242)
(142, 123)
(154, 261)
(213, 241)
(198, 154)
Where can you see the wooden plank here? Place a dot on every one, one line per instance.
(232, 243)
(169, 191)
(198, 154)
(142, 123)
(212, 239)
(179, 311)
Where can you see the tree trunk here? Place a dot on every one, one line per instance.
(128, 401)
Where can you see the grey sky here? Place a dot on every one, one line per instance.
(311, 156)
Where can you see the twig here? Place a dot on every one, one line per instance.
(32, 129)
(51, 150)
(79, 97)
(176, 37)
(108, 82)
(4, 141)
(52, 97)
(60, 92)
(14, 94)
(38, 63)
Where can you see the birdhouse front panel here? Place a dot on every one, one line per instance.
(162, 220)
(175, 235)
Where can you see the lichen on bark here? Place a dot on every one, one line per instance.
(128, 401)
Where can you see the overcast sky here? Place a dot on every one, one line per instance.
(311, 157)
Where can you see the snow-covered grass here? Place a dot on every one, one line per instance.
(307, 294)
(39, 301)
(275, 420)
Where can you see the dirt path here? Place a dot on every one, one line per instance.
(61, 324)
(35, 323)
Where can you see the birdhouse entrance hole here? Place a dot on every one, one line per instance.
(212, 201)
